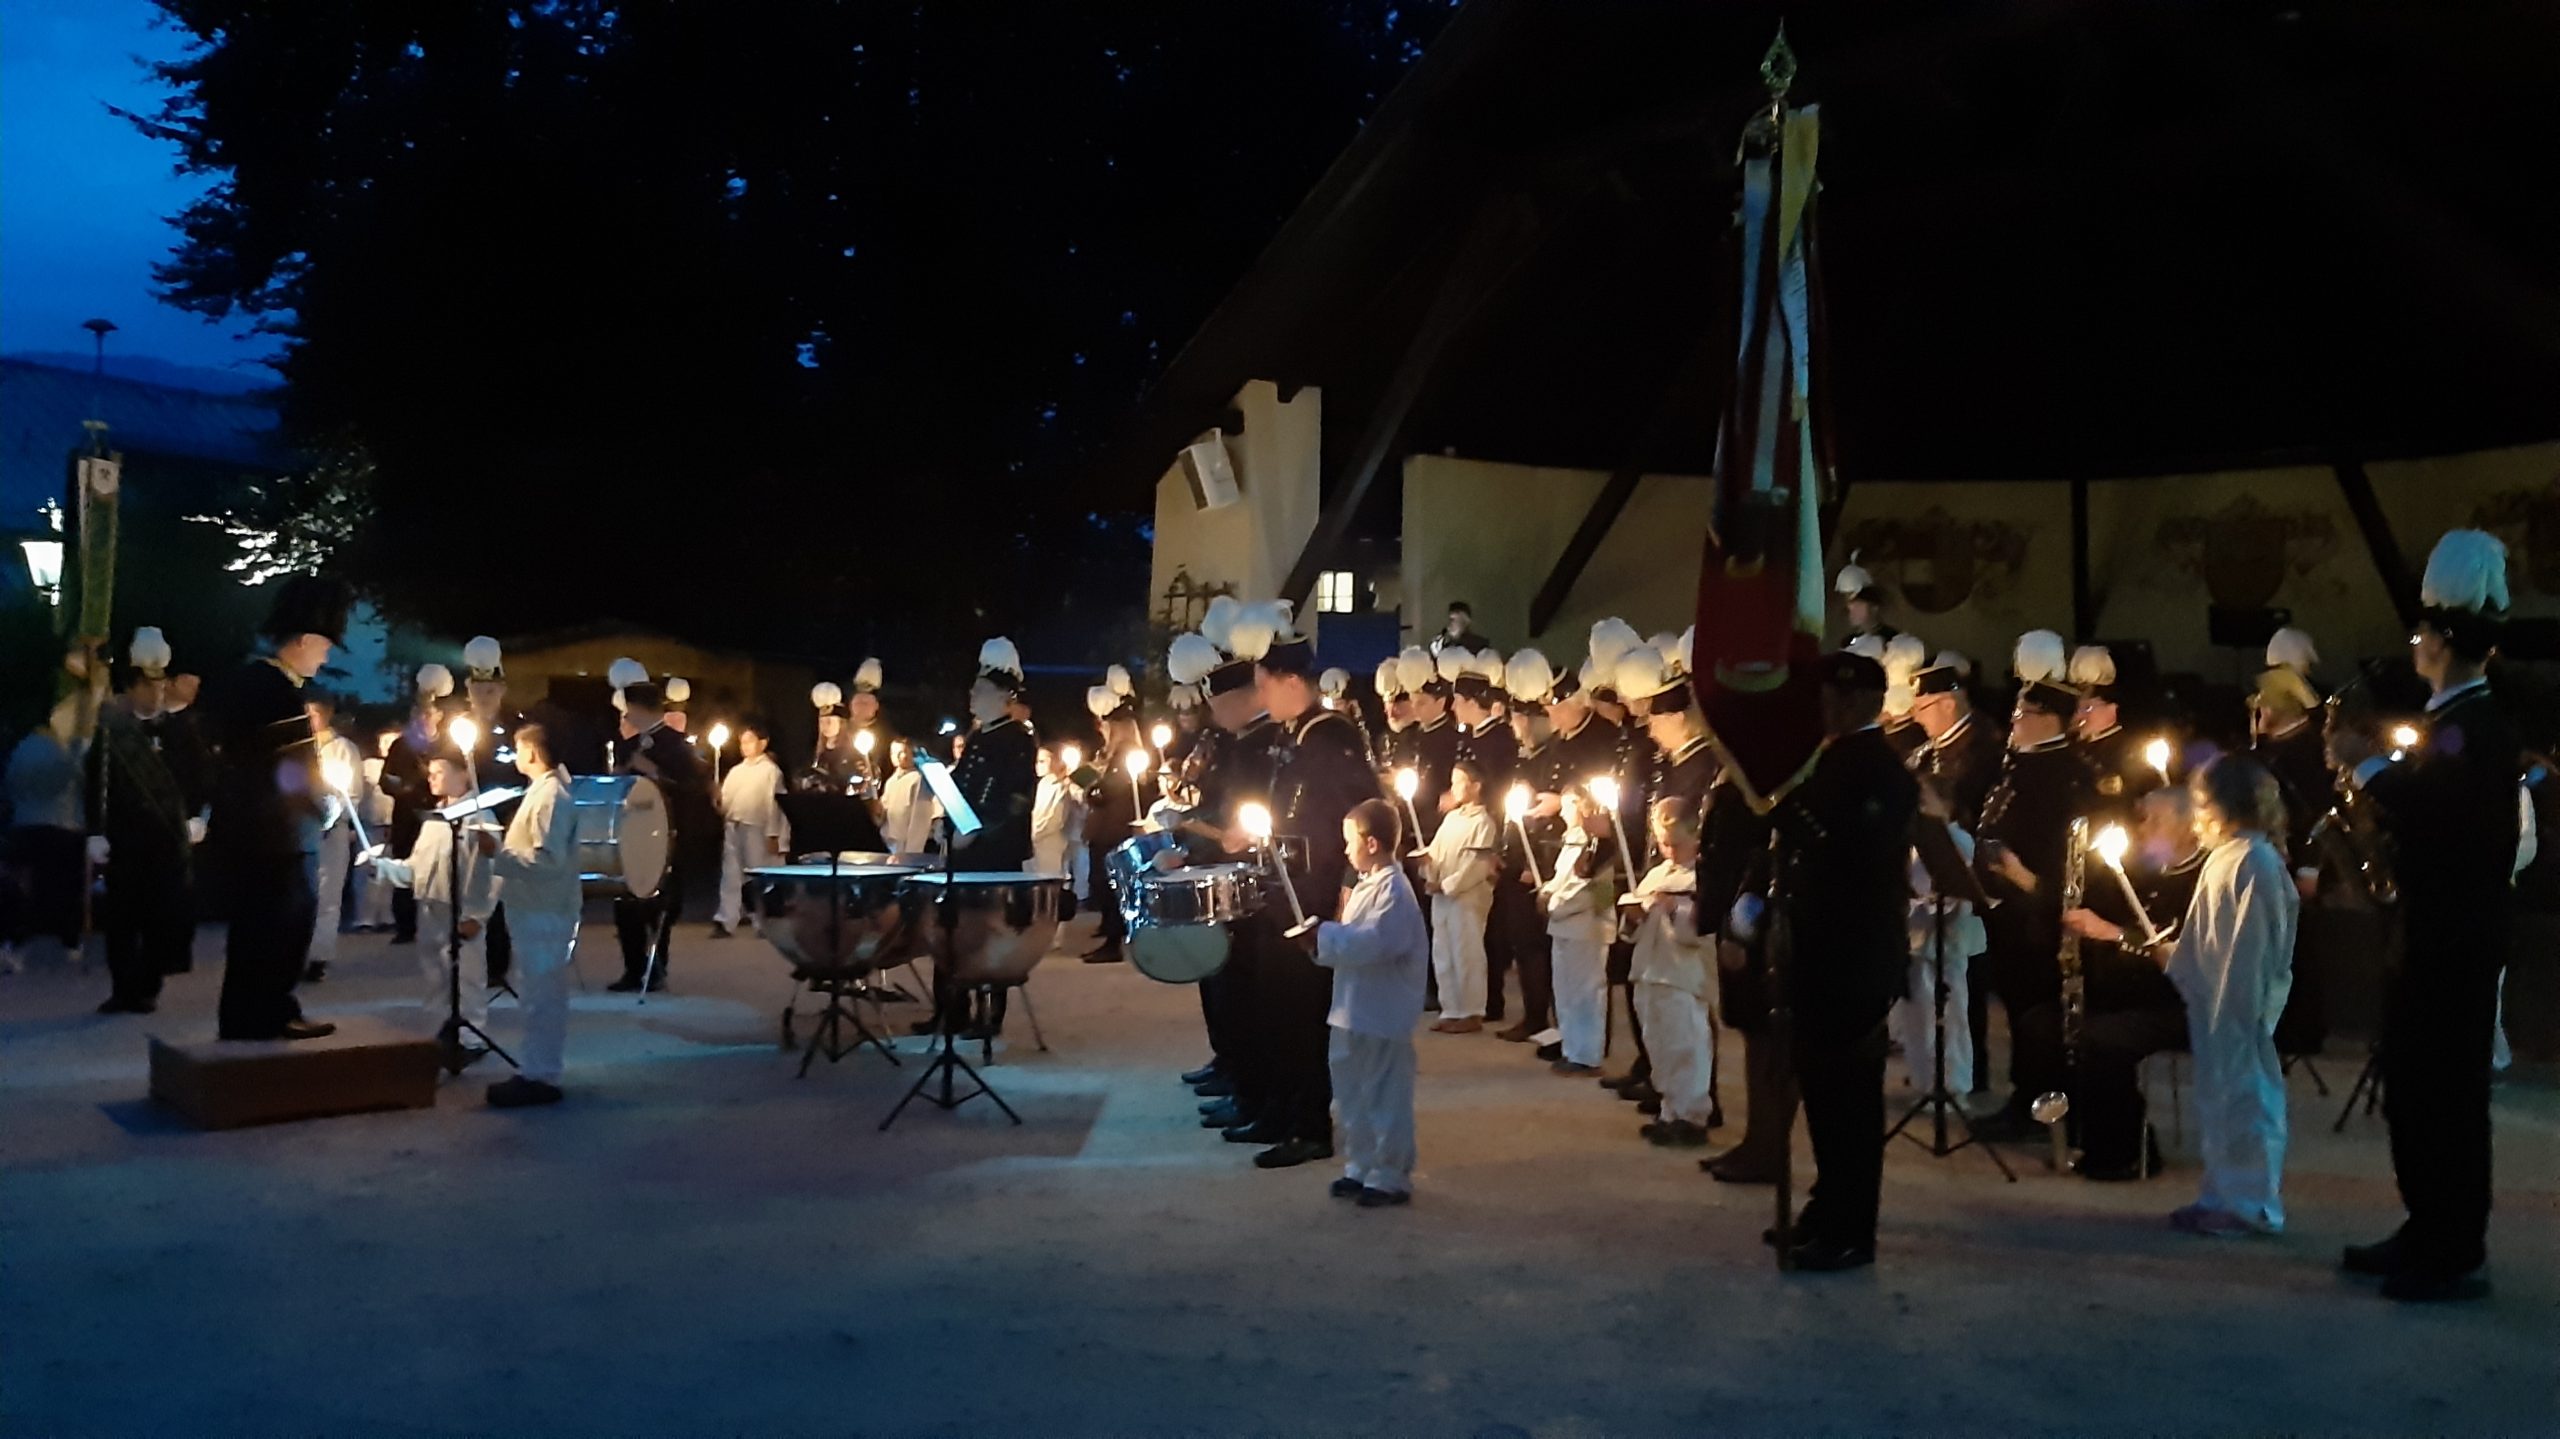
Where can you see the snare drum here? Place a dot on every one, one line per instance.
(1003, 923)
(835, 923)
(1133, 859)
(623, 833)
(1200, 894)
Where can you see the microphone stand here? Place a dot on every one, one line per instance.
(946, 1052)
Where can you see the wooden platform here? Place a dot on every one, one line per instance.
(367, 1065)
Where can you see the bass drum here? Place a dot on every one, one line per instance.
(624, 835)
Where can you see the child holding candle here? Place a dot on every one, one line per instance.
(1581, 905)
(1378, 953)
(428, 872)
(1458, 871)
(1670, 971)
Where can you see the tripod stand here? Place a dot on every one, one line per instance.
(946, 1064)
(1939, 1102)
(2368, 1088)
(449, 1037)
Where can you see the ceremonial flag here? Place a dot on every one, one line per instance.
(1760, 593)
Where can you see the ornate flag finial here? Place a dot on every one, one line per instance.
(1778, 67)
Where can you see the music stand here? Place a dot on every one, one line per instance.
(959, 817)
(1950, 878)
(834, 823)
(449, 1034)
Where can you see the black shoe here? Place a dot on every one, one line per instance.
(1256, 1132)
(1715, 1116)
(1345, 1188)
(1108, 954)
(1290, 1153)
(2381, 1260)
(1674, 1134)
(306, 1029)
(118, 1005)
(1516, 1034)
(1641, 1093)
(719, 930)
(1384, 1198)
(404, 939)
(1204, 1073)
(1568, 1067)
(1794, 1236)
(630, 984)
(519, 1092)
(1224, 1115)
(1723, 1170)
(1649, 1107)
(1553, 1052)
(1822, 1256)
(2426, 1284)
(1216, 1086)
(316, 971)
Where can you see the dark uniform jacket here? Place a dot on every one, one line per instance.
(1322, 772)
(1239, 772)
(1844, 841)
(998, 774)
(266, 783)
(1435, 751)
(1733, 858)
(2118, 775)
(2450, 810)
(1686, 774)
(135, 799)
(1493, 750)
(2301, 766)
(2115, 979)
(2029, 812)
(1963, 768)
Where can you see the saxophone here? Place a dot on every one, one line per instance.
(2349, 836)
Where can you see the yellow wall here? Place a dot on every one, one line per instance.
(1487, 532)
(1252, 543)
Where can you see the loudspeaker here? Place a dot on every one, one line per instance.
(1210, 471)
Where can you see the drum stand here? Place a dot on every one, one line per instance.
(946, 1052)
(1939, 1102)
(828, 1036)
(2368, 1089)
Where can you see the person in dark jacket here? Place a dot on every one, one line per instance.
(2450, 810)
(1844, 853)
(139, 809)
(265, 826)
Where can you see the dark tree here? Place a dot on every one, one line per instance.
(725, 317)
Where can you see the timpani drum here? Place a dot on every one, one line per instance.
(624, 833)
(1003, 923)
(834, 922)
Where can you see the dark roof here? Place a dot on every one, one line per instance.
(42, 407)
(2135, 237)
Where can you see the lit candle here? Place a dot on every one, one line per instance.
(719, 742)
(2111, 844)
(2158, 754)
(1070, 758)
(1604, 788)
(343, 780)
(465, 734)
(1256, 820)
(1409, 784)
(1137, 766)
(2404, 738)
(1516, 805)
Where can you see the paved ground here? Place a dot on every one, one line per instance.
(698, 1244)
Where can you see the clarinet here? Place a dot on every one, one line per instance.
(2075, 996)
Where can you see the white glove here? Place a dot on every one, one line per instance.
(97, 849)
(195, 829)
(370, 853)
(1742, 924)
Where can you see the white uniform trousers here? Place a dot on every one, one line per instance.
(1373, 1099)
(1680, 1036)
(742, 847)
(435, 933)
(337, 853)
(545, 945)
(1457, 952)
(1915, 1023)
(1582, 998)
(1048, 855)
(373, 900)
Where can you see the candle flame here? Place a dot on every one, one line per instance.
(864, 742)
(2111, 844)
(340, 777)
(1256, 820)
(1069, 757)
(1162, 734)
(1604, 788)
(1515, 806)
(2404, 736)
(1408, 784)
(1137, 763)
(2156, 754)
(464, 732)
(719, 736)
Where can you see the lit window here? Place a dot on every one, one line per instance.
(1333, 592)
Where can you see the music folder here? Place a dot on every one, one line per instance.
(480, 802)
(937, 777)
(1949, 874)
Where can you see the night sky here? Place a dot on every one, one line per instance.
(84, 198)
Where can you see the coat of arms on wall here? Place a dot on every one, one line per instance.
(2244, 551)
(2529, 521)
(1938, 561)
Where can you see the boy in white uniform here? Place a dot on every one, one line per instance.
(1670, 971)
(753, 831)
(1581, 903)
(1377, 952)
(1915, 1018)
(537, 867)
(908, 809)
(428, 873)
(1458, 870)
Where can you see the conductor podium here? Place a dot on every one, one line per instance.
(367, 1065)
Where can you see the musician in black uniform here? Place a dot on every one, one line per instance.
(265, 827)
(1395, 704)
(1435, 741)
(651, 749)
(2119, 774)
(404, 781)
(833, 765)
(1323, 774)
(2023, 844)
(2285, 736)
(1863, 598)
(1543, 767)
(138, 807)
(1112, 803)
(998, 774)
(2130, 1008)
(1241, 762)
(1844, 839)
(2450, 808)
